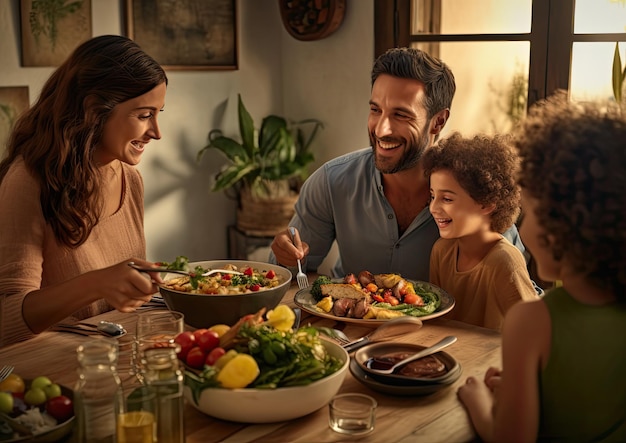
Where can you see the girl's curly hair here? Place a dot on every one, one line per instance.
(485, 167)
(574, 164)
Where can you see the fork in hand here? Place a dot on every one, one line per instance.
(303, 281)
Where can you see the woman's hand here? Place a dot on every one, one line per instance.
(287, 251)
(125, 288)
(121, 286)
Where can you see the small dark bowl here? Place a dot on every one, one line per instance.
(361, 357)
(203, 311)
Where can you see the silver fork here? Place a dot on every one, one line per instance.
(5, 371)
(303, 280)
(335, 334)
(178, 271)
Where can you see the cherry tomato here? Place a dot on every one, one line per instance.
(255, 288)
(214, 355)
(270, 274)
(208, 341)
(198, 332)
(413, 299)
(378, 298)
(186, 340)
(60, 407)
(196, 358)
(350, 279)
(371, 287)
(248, 272)
(225, 276)
(391, 299)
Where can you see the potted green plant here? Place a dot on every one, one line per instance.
(266, 168)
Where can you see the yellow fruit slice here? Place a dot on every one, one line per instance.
(219, 329)
(221, 362)
(281, 318)
(239, 372)
(13, 383)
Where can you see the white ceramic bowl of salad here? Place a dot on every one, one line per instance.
(250, 405)
(205, 310)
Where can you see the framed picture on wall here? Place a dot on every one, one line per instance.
(13, 101)
(52, 29)
(185, 34)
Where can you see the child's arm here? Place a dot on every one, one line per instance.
(512, 414)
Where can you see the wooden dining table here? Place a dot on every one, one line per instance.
(437, 417)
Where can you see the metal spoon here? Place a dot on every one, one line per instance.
(296, 322)
(396, 327)
(104, 327)
(423, 353)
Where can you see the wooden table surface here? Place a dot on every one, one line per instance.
(438, 417)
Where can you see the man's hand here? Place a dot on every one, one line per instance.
(287, 251)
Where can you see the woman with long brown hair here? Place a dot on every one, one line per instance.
(71, 200)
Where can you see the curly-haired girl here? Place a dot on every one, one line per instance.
(564, 356)
(474, 198)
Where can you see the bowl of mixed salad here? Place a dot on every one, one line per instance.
(223, 297)
(267, 371)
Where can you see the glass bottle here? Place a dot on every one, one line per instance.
(163, 374)
(96, 391)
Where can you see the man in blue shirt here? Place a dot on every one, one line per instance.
(374, 202)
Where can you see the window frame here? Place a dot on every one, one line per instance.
(551, 39)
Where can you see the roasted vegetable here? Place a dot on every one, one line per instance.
(325, 304)
(316, 290)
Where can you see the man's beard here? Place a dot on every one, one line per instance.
(410, 157)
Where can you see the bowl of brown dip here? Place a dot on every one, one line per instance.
(438, 368)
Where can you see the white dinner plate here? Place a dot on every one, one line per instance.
(305, 300)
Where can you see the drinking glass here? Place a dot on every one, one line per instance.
(352, 414)
(136, 416)
(156, 329)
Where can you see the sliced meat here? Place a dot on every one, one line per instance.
(342, 306)
(359, 309)
(365, 278)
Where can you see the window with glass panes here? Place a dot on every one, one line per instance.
(507, 54)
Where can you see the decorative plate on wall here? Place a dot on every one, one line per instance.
(311, 19)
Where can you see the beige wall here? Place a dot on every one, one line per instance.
(326, 79)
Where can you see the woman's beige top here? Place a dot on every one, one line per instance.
(31, 258)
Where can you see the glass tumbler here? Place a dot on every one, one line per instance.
(156, 329)
(352, 414)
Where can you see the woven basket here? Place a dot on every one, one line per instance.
(264, 217)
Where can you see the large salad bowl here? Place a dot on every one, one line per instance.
(250, 405)
(205, 310)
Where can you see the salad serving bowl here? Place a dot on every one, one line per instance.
(249, 405)
(205, 310)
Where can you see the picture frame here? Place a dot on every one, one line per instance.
(186, 34)
(14, 100)
(52, 30)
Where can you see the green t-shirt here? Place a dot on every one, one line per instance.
(583, 388)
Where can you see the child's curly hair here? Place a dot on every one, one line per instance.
(485, 167)
(573, 161)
